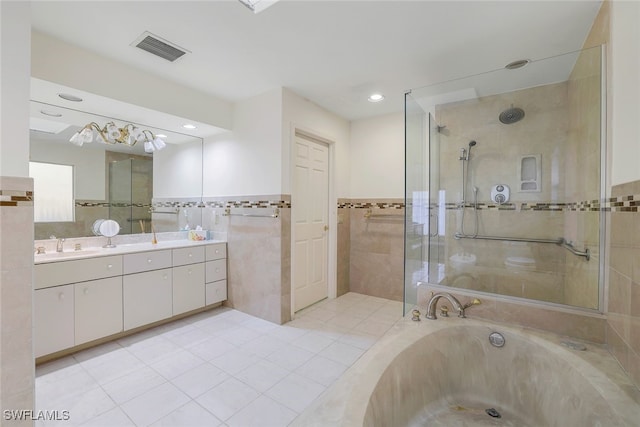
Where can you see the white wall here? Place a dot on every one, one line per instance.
(303, 114)
(56, 61)
(89, 166)
(177, 171)
(247, 160)
(377, 157)
(625, 84)
(15, 18)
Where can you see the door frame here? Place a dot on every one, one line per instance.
(332, 208)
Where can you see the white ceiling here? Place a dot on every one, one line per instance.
(334, 53)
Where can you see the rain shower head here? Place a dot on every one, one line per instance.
(511, 115)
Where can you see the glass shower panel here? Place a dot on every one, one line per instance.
(416, 199)
(130, 194)
(513, 160)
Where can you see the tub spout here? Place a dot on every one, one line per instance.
(433, 301)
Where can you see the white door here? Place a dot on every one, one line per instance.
(310, 200)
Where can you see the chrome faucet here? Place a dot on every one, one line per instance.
(433, 301)
(59, 245)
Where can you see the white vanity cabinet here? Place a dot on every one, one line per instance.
(188, 279)
(216, 273)
(78, 301)
(53, 319)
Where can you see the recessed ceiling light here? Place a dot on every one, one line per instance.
(161, 135)
(70, 97)
(50, 113)
(376, 97)
(188, 126)
(517, 64)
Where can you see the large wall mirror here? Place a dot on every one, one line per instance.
(76, 185)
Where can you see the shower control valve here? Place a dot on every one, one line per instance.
(500, 193)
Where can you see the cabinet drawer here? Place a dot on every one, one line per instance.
(216, 270)
(53, 319)
(147, 261)
(80, 270)
(215, 292)
(98, 309)
(184, 256)
(147, 297)
(188, 288)
(216, 251)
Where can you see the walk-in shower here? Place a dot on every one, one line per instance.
(503, 183)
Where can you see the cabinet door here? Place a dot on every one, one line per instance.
(53, 319)
(216, 270)
(216, 292)
(98, 309)
(188, 288)
(147, 297)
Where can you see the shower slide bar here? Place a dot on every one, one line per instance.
(369, 214)
(559, 241)
(275, 214)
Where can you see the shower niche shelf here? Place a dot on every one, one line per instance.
(529, 173)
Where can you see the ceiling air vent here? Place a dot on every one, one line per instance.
(159, 47)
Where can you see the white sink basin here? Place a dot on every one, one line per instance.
(51, 256)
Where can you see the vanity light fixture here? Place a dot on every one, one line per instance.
(376, 97)
(129, 135)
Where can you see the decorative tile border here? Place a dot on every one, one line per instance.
(14, 198)
(81, 204)
(248, 204)
(370, 205)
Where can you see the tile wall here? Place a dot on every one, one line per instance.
(371, 247)
(16, 264)
(623, 311)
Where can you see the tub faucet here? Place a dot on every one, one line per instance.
(433, 301)
(59, 245)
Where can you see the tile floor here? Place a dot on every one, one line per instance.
(217, 368)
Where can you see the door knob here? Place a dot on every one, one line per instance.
(326, 228)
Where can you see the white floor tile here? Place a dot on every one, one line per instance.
(211, 348)
(188, 338)
(262, 375)
(51, 390)
(189, 415)
(114, 368)
(321, 314)
(360, 340)
(373, 327)
(342, 353)
(259, 325)
(263, 346)
(322, 370)
(113, 418)
(239, 335)
(262, 412)
(200, 379)
(313, 341)
(290, 357)
(85, 406)
(153, 350)
(99, 354)
(235, 361)
(295, 392)
(227, 398)
(133, 385)
(345, 320)
(176, 364)
(287, 332)
(154, 404)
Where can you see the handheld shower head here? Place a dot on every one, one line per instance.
(472, 144)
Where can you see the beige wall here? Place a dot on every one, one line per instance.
(16, 214)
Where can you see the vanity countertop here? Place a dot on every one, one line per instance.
(91, 252)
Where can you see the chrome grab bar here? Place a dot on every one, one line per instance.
(275, 214)
(559, 241)
(369, 214)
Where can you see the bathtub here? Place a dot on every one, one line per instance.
(446, 373)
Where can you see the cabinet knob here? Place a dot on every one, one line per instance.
(217, 251)
(109, 266)
(189, 272)
(149, 260)
(217, 270)
(85, 291)
(61, 296)
(164, 276)
(190, 255)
